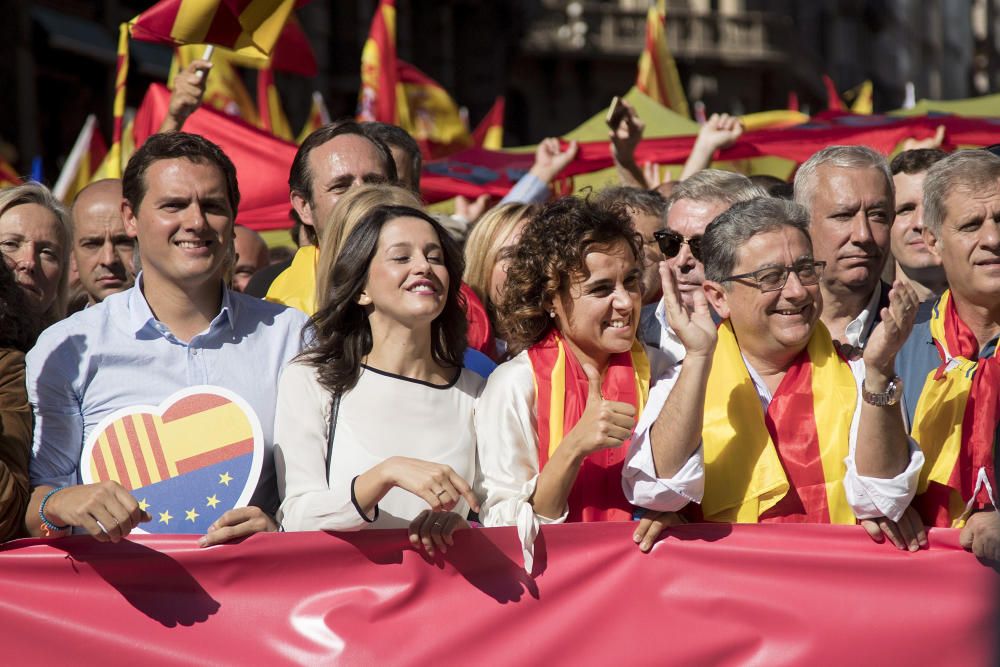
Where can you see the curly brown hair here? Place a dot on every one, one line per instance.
(552, 250)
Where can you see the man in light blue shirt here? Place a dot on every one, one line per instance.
(171, 379)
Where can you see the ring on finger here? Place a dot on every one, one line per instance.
(442, 491)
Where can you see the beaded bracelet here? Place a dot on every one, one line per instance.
(47, 526)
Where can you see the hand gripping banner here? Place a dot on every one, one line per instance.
(706, 595)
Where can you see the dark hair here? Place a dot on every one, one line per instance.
(730, 231)
(299, 176)
(19, 326)
(552, 248)
(648, 202)
(393, 135)
(916, 161)
(172, 145)
(342, 333)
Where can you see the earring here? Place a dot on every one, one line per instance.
(552, 314)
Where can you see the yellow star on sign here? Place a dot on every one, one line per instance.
(143, 505)
(212, 501)
(165, 517)
(224, 478)
(191, 515)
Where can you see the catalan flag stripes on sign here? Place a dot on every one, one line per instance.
(142, 449)
(658, 77)
(249, 27)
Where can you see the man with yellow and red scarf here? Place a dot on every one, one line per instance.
(788, 430)
(949, 364)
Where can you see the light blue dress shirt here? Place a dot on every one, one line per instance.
(117, 355)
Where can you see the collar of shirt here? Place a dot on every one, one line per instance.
(857, 331)
(140, 315)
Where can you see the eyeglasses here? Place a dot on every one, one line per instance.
(670, 243)
(773, 278)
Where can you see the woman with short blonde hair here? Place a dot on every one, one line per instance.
(36, 236)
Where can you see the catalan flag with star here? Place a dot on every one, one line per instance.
(186, 461)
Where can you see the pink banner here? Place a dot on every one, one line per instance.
(707, 594)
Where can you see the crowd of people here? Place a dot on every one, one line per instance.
(719, 348)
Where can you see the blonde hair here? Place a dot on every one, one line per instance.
(348, 211)
(483, 247)
(36, 193)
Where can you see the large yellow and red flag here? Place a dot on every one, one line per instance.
(249, 27)
(271, 114)
(224, 88)
(379, 76)
(489, 133)
(83, 161)
(658, 77)
(318, 117)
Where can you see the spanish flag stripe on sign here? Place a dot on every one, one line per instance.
(217, 455)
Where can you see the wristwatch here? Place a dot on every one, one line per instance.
(885, 398)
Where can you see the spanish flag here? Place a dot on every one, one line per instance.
(292, 53)
(658, 77)
(379, 76)
(272, 116)
(83, 161)
(318, 117)
(489, 133)
(561, 391)
(224, 88)
(785, 464)
(249, 27)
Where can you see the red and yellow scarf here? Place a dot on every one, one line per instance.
(561, 389)
(785, 464)
(956, 421)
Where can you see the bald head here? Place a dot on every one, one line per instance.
(102, 251)
(251, 256)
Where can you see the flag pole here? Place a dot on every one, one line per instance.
(75, 157)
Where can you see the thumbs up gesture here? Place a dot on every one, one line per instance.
(604, 423)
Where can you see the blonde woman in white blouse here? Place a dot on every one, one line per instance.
(389, 343)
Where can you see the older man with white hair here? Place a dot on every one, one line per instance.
(950, 364)
(848, 191)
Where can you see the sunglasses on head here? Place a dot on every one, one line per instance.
(670, 243)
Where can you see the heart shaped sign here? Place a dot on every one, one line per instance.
(187, 460)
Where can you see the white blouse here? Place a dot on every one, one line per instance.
(506, 426)
(384, 415)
